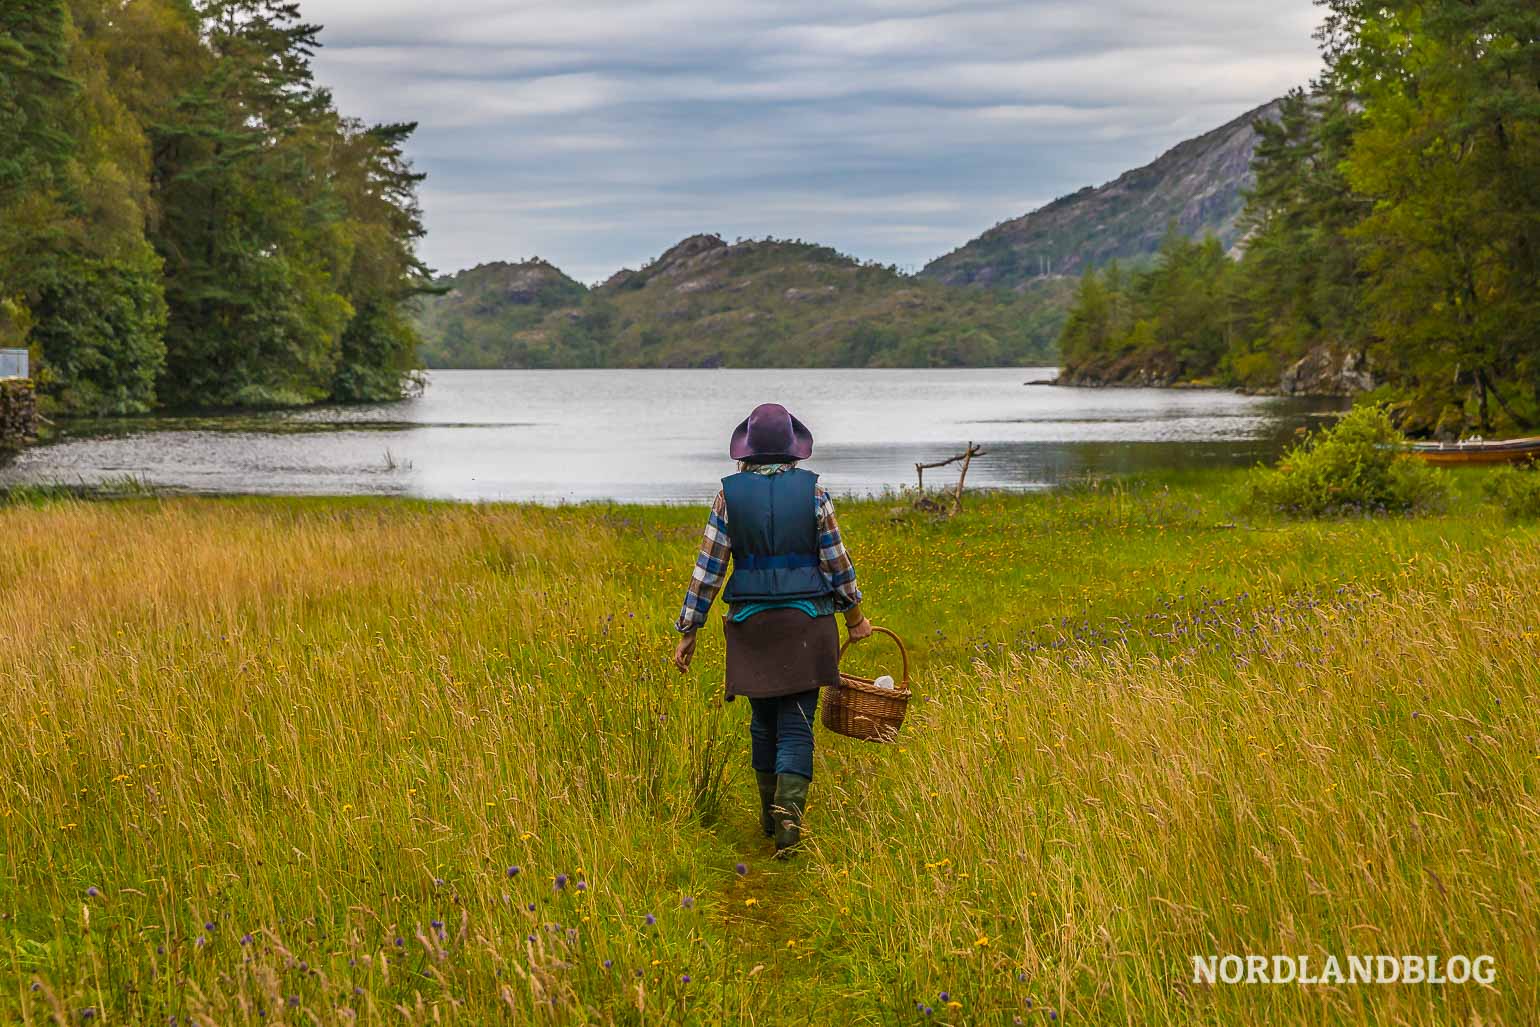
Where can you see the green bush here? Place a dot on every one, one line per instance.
(1516, 490)
(1358, 466)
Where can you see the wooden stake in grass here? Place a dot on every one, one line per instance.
(966, 457)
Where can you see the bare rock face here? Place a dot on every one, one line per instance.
(809, 295)
(526, 282)
(703, 284)
(618, 280)
(489, 288)
(1199, 184)
(1327, 371)
(1150, 370)
(689, 256)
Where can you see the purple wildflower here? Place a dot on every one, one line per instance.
(741, 869)
(582, 886)
(608, 963)
(684, 979)
(561, 881)
(687, 902)
(513, 871)
(651, 919)
(92, 892)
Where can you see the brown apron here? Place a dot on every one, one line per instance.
(781, 652)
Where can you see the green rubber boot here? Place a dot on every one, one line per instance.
(766, 801)
(790, 801)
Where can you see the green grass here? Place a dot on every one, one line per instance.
(1147, 728)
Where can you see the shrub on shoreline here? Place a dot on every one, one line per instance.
(1358, 466)
(1516, 490)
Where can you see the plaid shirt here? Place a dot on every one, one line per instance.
(716, 547)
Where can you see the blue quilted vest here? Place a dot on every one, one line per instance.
(773, 524)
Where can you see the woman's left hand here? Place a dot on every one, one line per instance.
(684, 652)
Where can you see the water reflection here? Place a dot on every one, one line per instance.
(652, 436)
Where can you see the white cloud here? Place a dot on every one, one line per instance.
(598, 132)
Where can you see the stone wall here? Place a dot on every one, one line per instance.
(18, 413)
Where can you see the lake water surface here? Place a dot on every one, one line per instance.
(661, 436)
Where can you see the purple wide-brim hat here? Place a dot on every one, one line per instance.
(769, 434)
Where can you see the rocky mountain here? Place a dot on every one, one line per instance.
(1199, 184)
(754, 303)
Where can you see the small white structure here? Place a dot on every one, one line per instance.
(13, 363)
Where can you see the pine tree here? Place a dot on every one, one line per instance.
(1449, 153)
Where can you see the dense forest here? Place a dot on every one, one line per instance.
(1395, 219)
(185, 218)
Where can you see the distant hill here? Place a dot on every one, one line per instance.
(1199, 184)
(754, 303)
(478, 321)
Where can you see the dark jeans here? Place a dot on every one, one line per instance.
(781, 731)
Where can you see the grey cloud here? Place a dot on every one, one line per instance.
(596, 133)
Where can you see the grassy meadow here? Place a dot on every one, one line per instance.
(324, 761)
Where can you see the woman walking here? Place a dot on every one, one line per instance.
(790, 575)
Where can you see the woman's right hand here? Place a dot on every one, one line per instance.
(684, 652)
(859, 630)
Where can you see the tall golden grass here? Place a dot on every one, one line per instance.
(295, 761)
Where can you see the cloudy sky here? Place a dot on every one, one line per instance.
(595, 134)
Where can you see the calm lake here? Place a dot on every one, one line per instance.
(661, 436)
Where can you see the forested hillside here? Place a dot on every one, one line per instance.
(185, 217)
(754, 303)
(1394, 234)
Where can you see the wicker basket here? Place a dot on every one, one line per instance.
(857, 708)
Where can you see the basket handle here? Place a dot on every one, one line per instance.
(897, 641)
